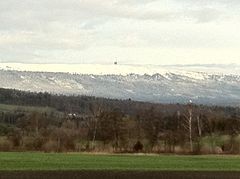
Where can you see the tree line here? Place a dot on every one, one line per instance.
(83, 123)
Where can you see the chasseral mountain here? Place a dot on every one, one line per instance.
(202, 84)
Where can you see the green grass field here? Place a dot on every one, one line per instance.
(76, 161)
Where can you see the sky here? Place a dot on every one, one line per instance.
(161, 32)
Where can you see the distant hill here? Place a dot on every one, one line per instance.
(202, 84)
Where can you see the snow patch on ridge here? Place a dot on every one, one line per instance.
(191, 72)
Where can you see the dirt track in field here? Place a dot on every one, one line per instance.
(116, 175)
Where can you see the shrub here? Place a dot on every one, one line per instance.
(33, 143)
(51, 146)
(28, 143)
(138, 147)
(5, 144)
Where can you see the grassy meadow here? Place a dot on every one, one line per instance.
(13, 161)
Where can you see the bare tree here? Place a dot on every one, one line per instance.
(187, 124)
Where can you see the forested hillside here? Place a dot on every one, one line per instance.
(46, 122)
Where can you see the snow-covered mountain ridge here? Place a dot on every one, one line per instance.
(110, 69)
(207, 84)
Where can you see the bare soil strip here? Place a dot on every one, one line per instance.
(117, 175)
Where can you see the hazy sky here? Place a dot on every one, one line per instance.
(131, 31)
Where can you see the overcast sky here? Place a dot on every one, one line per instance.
(129, 31)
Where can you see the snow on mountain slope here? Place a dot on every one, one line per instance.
(110, 69)
(207, 84)
(95, 69)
